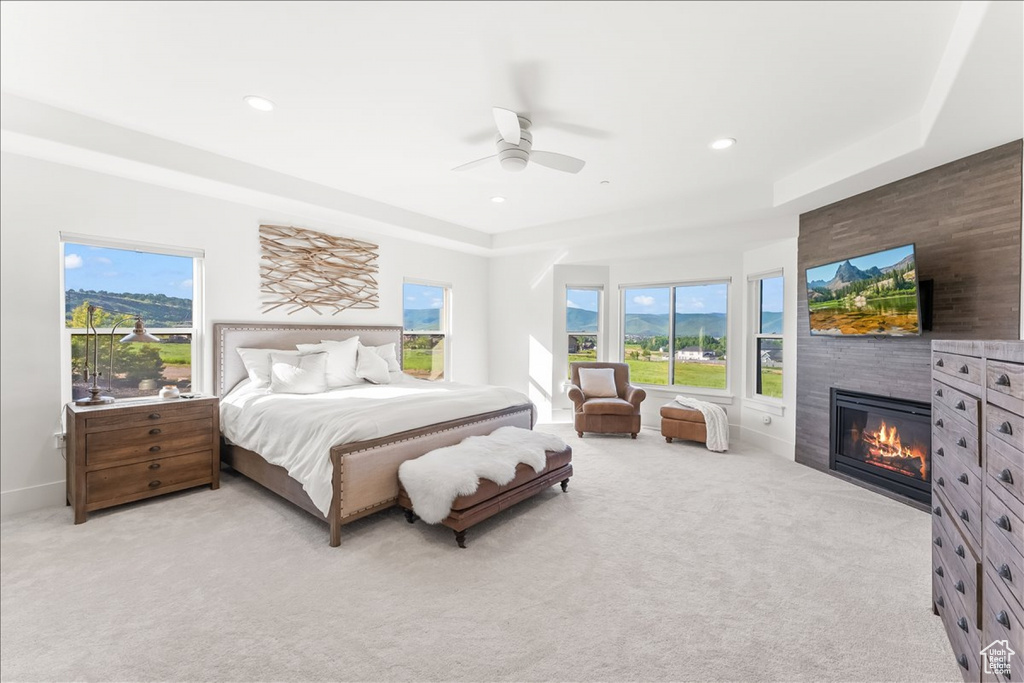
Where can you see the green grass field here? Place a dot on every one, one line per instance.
(175, 354)
(420, 363)
(771, 382)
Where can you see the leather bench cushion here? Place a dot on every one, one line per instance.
(524, 473)
(674, 411)
(608, 406)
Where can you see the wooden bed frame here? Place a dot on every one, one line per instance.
(364, 474)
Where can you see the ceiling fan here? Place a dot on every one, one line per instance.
(515, 147)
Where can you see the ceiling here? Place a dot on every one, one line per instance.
(378, 101)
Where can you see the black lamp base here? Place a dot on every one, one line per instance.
(94, 398)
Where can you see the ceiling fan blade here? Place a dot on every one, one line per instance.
(578, 129)
(508, 125)
(474, 164)
(559, 162)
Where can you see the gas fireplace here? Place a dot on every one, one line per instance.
(882, 441)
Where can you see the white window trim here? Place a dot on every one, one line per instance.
(446, 321)
(601, 353)
(198, 256)
(707, 391)
(767, 404)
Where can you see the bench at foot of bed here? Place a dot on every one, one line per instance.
(490, 498)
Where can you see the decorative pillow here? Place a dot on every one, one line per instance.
(388, 353)
(341, 360)
(598, 382)
(298, 374)
(257, 364)
(372, 367)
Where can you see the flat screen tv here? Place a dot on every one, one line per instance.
(867, 296)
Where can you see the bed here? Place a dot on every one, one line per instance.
(362, 475)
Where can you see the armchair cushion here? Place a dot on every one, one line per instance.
(598, 383)
(608, 406)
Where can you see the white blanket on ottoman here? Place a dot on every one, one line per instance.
(715, 419)
(434, 480)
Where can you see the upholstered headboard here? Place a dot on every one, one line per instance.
(227, 364)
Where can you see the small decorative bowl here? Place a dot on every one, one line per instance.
(170, 391)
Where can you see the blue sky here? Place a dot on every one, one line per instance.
(771, 294)
(422, 296)
(119, 270)
(882, 259)
(689, 299)
(587, 299)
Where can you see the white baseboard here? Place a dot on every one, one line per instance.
(31, 498)
(772, 444)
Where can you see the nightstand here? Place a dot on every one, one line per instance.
(140, 448)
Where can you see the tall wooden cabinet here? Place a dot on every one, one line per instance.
(978, 503)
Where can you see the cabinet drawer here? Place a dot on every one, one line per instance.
(958, 402)
(961, 570)
(964, 638)
(1005, 426)
(953, 473)
(1004, 543)
(151, 440)
(964, 368)
(130, 482)
(1005, 469)
(1001, 620)
(965, 511)
(956, 434)
(1005, 380)
(152, 414)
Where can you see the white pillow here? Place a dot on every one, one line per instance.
(372, 367)
(598, 382)
(298, 374)
(257, 364)
(341, 360)
(388, 353)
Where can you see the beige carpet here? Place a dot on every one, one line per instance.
(663, 562)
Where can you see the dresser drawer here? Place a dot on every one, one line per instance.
(151, 440)
(961, 570)
(956, 434)
(1004, 543)
(963, 368)
(953, 473)
(1006, 382)
(964, 638)
(1005, 468)
(958, 402)
(131, 482)
(154, 414)
(1001, 620)
(965, 511)
(1005, 426)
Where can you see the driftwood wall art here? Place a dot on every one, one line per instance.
(307, 269)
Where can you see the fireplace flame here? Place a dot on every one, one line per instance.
(885, 443)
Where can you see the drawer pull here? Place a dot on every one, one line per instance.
(154, 449)
(1006, 477)
(962, 623)
(960, 587)
(1003, 619)
(939, 572)
(938, 392)
(940, 452)
(962, 443)
(153, 484)
(939, 363)
(962, 661)
(964, 370)
(940, 602)
(154, 465)
(1003, 381)
(1003, 523)
(1005, 428)
(1004, 573)
(938, 511)
(960, 405)
(938, 541)
(154, 416)
(938, 423)
(154, 431)
(961, 553)
(964, 516)
(962, 478)
(940, 481)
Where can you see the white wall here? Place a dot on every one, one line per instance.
(40, 199)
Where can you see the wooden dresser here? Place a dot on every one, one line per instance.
(136, 449)
(978, 502)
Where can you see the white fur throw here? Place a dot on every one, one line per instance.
(715, 419)
(434, 480)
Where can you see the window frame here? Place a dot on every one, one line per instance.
(198, 337)
(446, 318)
(598, 334)
(755, 284)
(671, 286)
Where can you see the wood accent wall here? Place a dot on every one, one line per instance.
(965, 219)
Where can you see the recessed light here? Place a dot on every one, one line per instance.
(723, 143)
(260, 103)
(497, 200)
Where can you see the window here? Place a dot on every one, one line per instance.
(582, 323)
(768, 292)
(425, 322)
(684, 349)
(121, 282)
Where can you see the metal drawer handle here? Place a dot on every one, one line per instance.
(1003, 619)
(939, 572)
(961, 406)
(1003, 523)
(940, 602)
(154, 416)
(964, 516)
(1003, 381)
(154, 465)
(964, 370)
(154, 431)
(940, 481)
(962, 623)
(153, 484)
(962, 661)
(938, 511)
(938, 392)
(938, 423)
(960, 551)
(1004, 573)
(962, 479)
(1006, 477)
(940, 452)
(960, 587)
(154, 449)
(939, 363)
(962, 443)
(938, 541)
(1006, 428)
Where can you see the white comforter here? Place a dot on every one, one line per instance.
(296, 431)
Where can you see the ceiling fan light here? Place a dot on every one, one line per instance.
(513, 163)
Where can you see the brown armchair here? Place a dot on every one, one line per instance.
(619, 415)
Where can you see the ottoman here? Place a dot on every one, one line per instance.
(678, 422)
